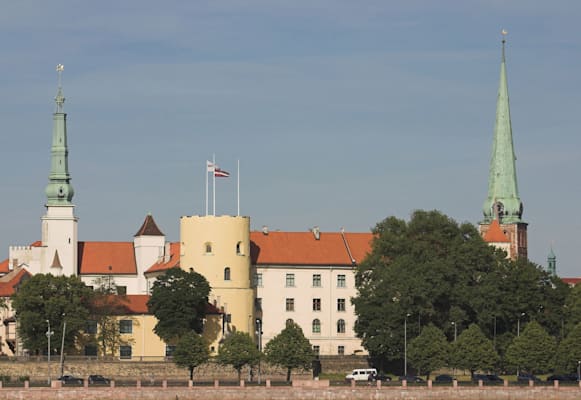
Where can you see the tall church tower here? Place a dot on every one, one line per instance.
(503, 203)
(59, 224)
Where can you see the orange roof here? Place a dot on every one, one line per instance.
(495, 234)
(125, 305)
(4, 267)
(107, 258)
(571, 281)
(10, 282)
(174, 260)
(302, 248)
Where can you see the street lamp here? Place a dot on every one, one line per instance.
(518, 323)
(49, 333)
(578, 371)
(63, 346)
(259, 333)
(405, 345)
(455, 329)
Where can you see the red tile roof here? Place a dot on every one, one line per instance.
(115, 258)
(174, 260)
(495, 234)
(4, 267)
(134, 304)
(10, 281)
(149, 228)
(302, 248)
(571, 281)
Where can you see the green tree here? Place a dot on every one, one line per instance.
(178, 301)
(533, 350)
(473, 351)
(569, 351)
(191, 351)
(290, 349)
(51, 298)
(238, 350)
(106, 306)
(428, 351)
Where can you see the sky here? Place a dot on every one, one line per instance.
(341, 113)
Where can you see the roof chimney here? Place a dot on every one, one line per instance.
(265, 229)
(317, 232)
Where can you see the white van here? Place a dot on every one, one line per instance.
(361, 374)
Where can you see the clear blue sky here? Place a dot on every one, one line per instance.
(341, 112)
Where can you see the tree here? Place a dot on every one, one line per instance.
(428, 351)
(106, 306)
(54, 299)
(533, 350)
(238, 350)
(290, 349)
(191, 351)
(569, 351)
(473, 351)
(178, 301)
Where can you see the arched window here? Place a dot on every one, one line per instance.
(227, 273)
(208, 247)
(289, 322)
(341, 326)
(316, 326)
(239, 251)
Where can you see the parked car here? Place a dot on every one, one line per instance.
(411, 379)
(494, 378)
(98, 379)
(378, 377)
(525, 378)
(70, 380)
(360, 374)
(563, 378)
(444, 378)
(487, 378)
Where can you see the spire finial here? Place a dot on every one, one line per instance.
(503, 33)
(59, 99)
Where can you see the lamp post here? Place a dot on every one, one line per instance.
(455, 329)
(578, 371)
(518, 323)
(63, 346)
(49, 333)
(405, 345)
(259, 333)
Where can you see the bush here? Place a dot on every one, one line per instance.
(5, 378)
(23, 378)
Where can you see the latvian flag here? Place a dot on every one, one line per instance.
(219, 173)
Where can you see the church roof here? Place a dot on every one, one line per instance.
(149, 228)
(303, 248)
(495, 234)
(104, 258)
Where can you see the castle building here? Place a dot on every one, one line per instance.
(503, 225)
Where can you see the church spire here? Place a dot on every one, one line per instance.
(59, 191)
(503, 202)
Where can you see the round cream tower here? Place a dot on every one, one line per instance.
(218, 247)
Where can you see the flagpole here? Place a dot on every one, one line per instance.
(238, 187)
(214, 185)
(206, 169)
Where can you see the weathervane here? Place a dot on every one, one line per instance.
(59, 99)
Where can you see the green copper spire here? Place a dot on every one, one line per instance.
(552, 263)
(59, 191)
(503, 202)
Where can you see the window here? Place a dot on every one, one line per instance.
(239, 249)
(91, 350)
(125, 352)
(341, 326)
(290, 304)
(169, 349)
(289, 321)
(316, 349)
(341, 350)
(316, 326)
(91, 327)
(341, 281)
(316, 304)
(316, 280)
(208, 247)
(121, 290)
(340, 304)
(126, 326)
(290, 280)
(227, 273)
(258, 279)
(258, 303)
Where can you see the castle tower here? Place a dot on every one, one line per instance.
(218, 247)
(503, 202)
(552, 263)
(149, 245)
(59, 224)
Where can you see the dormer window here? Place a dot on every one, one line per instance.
(208, 247)
(227, 273)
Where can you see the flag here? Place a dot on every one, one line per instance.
(219, 173)
(210, 166)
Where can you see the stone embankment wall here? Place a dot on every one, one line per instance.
(295, 393)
